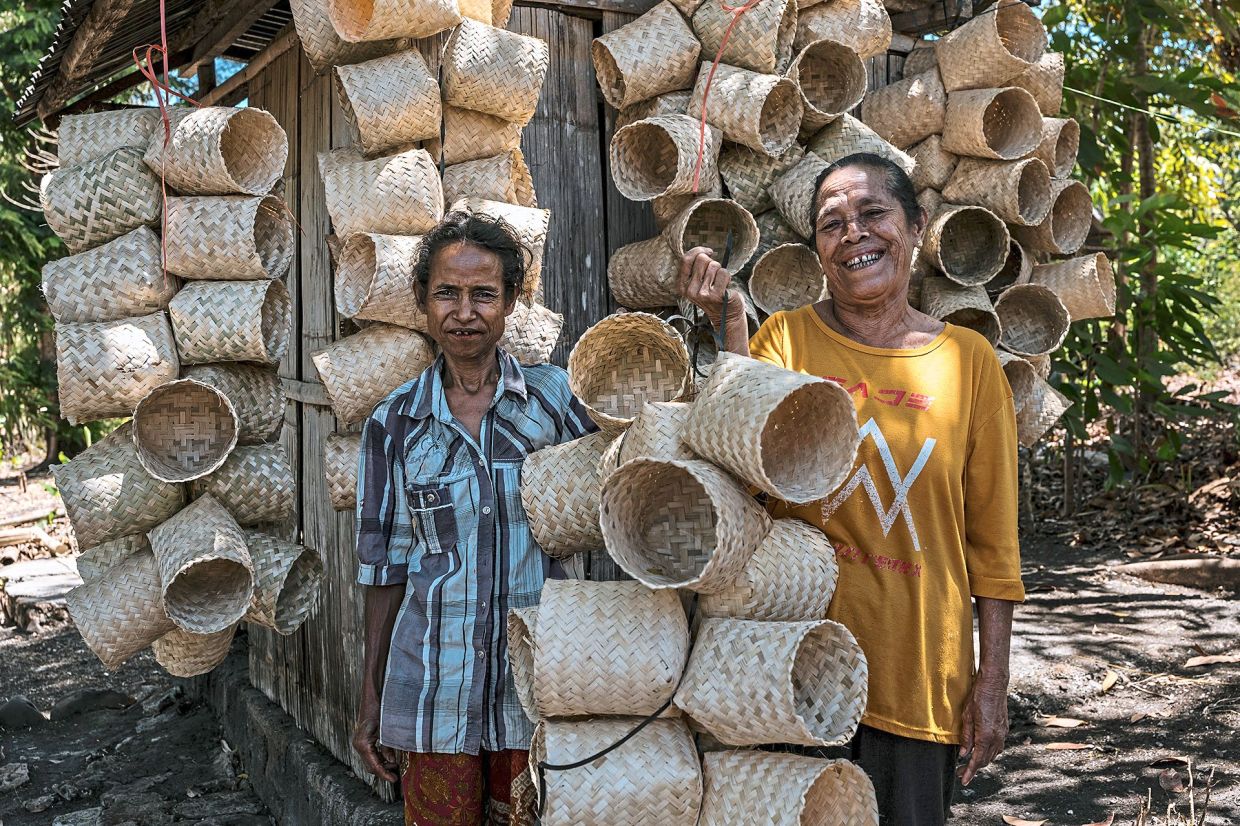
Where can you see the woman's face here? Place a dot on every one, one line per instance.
(465, 302)
(863, 240)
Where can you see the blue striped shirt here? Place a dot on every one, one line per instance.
(441, 513)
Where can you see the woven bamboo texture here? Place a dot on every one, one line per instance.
(832, 79)
(494, 71)
(999, 124)
(751, 419)
(991, 49)
(397, 195)
(1061, 140)
(707, 222)
(325, 48)
(232, 321)
(642, 275)
(522, 628)
(1044, 80)
(219, 150)
(934, 165)
(1042, 408)
(530, 226)
(104, 368)
(623, 361)
(358, 371)
(931, 200)
(654, 434)
(908, 111)
(749, 173)
(184, 429)
(760, 111)
(655, 777)
(340, 455)
(668, 103)
(228, 237)
(680, 524)
(846, 136)
(862, 25)
(1067, 223)
(503, 177)
(960, 305)
(100, 200)
(763, 789)
(120, 613)
(531, 332)
(374, 279)
(84, 138)
(358, 21)
(108, 494)
(658, 156)
(1021, 377)
(1033, 319)
(789, 578)
(390, 101)
(560, 489)
(186, 654)
(470, 135)
(1085, 285)
(607, 648)
(1042, 364)
(787, 277)
(656, 53)
(93, 563)
(204, 567)
(749, 682)
(921, 59)
(255, 394)
(1016, 270)
(793, 193)
(773, 231)
(761, 39)
(256, 484)
(287, 577)
(120, 279)
(968, 244)
(1017, 191)
(667, 207)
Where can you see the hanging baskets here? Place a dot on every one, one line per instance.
(991, 49)
(256, 484)
(1061, 139)
(760, 40)
(365, 20)
(1066, 226)
(642, 275)
(120, 613)
(1016, 270)
(390, 101)
(934, 165)
(325, 48)
(374, 279)
(764, 789)
(530, 333)
(1044, 80)
(707, 222)
(255, 394)
(654, 54)
(184, 430)
(219, 150)
(340, 458)
(229, 237)
(1033, 319)
(560, 488)
(760, 111)
(232, 321)
(749, 173)
(751, 419)
(397, 195)
(84, 138)
(492, 70)
(1016, 191)
(832, 80)
(1000, 124)
(469, 136)
(1042, 408)
(668, 103)
(659, 156)
(862, 25)
(969, 244)
(92, 563)
(522, 626)
(1021, 377)
(847, 136)
(186, 654)
(787, 277)
(654, 434)
(286, 582)
(100, 200)
(359, 371)
(793, 193)
(908, 111)
(963, 306)
(1085, 285)
(503, 177)
(121, 279)
(530, 226)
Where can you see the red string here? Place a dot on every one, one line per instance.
(737, 12)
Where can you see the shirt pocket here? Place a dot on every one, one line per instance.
(432, 503)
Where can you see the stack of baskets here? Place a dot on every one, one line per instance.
(181, 332)
(665, 487)
(436, 95)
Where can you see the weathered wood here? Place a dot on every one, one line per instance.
(237, 83)
(20, 536)
(592, 8)
(238, 20)
(307, 392)
(938, 16)
(101, 23)
(35, 515)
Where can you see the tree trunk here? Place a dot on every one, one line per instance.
(1147, 289)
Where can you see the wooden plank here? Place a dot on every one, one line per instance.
(100, 24)
(239, 19)
(306, 392)
(938, 16)
(591, 8)
(285, 41)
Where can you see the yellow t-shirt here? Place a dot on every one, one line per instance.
(927, 518)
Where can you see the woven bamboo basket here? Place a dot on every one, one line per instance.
(530, 226)
(668, 103)
(255, 394)
(494, 71)
(642, 275)
(707, 222)
(1042, 364)
(1085, 285)
(108, 494)
(749, 173)
(374, 279)
(1042, 408)
(104, 368)
(232, 321)
(655, 53)
(762, 112)
(789, 578)
(204, 567)
(793, 193)
(1021, 378)
(934, 165)
(654, 777)
(773, 231)
(219, 150)
(186, 654)
(286, 582)
(921, 59)
(358, 371)
(991, 49)
(102, 199)
(680, 524)
(1066, 226)
(969, 244)
(228, 237)
(183, 430)
(255, 484)
(931, 201)
(1033, 319)
(654, 434)
(531, 332)
(846, 136)
(121, 612)
(832, 80)
(751, 419)
(522, 629)
(659, 156)
(397, 195)
(325, 48)
(667, 207)
(390, 101)
(1044, 80)
(121, 279)
(1016, 270)
(504, 177)
(340, 457)
(607, 648)
(960, 305)
(560, 488)
(92, 563)
(469, 136)
(84, 138)
(764, 789)
(908, 111)
(999, 124)
(787, 277)
(623, 361)
(760, 40)
(1061, 140)
(862, 25)
(1017, 191)
(366, 20)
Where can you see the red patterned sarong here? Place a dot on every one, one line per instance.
(465, 789)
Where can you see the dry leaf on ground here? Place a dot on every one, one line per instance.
(1067, 746)
(1171, 781)
(1016, 821)
(1215, 659)
(1058, 722)
(1109, 680)
(1167, 760)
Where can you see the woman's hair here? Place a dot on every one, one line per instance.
(492, 234)
(898, 183)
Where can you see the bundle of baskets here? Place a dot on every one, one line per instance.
(171, 312)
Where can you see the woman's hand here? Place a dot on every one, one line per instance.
(379, 760)
(704, 281)
(985, 724)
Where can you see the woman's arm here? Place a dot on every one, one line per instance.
(704, 281)
(985, 714)
(382, 606)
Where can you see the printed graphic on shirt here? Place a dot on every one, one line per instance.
(890, 396)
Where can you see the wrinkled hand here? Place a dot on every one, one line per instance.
(704, 281)
(985, 725)
(379, 760)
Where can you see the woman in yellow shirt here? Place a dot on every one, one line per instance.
(925, 525)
